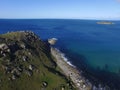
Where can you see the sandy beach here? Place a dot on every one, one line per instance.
(76, 76)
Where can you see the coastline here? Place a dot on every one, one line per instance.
(70, 71)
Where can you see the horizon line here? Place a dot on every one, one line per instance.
(66, 18)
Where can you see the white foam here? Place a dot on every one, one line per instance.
(54, 38)
(65, 58)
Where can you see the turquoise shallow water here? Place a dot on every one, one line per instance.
(97, 46)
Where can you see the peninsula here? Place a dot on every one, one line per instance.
(28, 63)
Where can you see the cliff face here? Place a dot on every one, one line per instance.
(26, 64)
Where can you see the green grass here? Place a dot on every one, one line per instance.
(45, 67)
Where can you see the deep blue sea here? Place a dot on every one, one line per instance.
(92, 47)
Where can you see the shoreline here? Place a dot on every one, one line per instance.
(70, 71)
(80, 81)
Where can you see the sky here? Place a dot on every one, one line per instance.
(60, 9)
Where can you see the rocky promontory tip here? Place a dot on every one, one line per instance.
(52, 41)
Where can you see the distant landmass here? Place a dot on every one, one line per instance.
(105, 22)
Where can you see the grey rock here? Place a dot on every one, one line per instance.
(24, 58)
(45, 84)
(13, 77)
(29, 73)
(22, 46)
(20, 68)
(31, 67)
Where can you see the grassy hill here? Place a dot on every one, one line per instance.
(26, 64)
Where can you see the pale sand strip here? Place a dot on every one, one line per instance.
(70, 71)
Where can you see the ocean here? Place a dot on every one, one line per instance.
(92, 47)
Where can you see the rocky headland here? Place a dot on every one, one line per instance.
(27, 64)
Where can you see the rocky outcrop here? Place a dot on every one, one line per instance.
(52, 41)
(4, 49)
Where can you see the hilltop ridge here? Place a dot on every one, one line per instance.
(26, 64)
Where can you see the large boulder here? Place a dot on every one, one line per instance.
(4, 47)
(52, 41)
